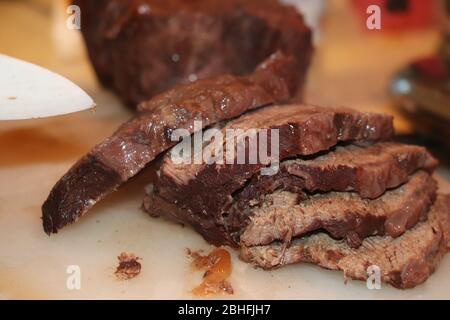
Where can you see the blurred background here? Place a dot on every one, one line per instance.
(400, 69)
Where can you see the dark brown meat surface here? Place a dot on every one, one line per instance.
(140, 48)
(143, 138)
(367, 170)
(200, 195)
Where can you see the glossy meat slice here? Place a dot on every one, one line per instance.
(368, 171)
(144, 137)
(203, 193)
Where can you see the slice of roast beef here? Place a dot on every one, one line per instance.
(367, 170)
(341, 214)
(144, 137)
(404, 262)
(140, 48)
(203, 193)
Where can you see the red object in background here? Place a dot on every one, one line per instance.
(433, 68)
(400, 14)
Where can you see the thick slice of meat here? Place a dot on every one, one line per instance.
(404, 262)
(341, 214)
(143, 138)
(204, 192)
(140, 48)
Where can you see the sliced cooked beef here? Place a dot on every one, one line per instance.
(140, 48)
(367, 170)
(341, 214)
(143, 138)
(203, 193)
(404, 262)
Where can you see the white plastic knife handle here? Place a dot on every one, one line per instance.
(28, 91)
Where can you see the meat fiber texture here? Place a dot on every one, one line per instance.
(201, 195)
(344, 215)
(140, 140)
(140, 48)
(367, 171)
(403, 262)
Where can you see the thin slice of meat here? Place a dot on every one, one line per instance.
(404, 262)
(385, 165)
(367, 170)
(143, 138)
(204, 192)
(341, 214)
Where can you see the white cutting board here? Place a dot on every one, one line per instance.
(35, 154)
(33, 265)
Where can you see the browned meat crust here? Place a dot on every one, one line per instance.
(203, 193)
(143, 138)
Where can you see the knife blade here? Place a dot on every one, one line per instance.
(28, 91)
